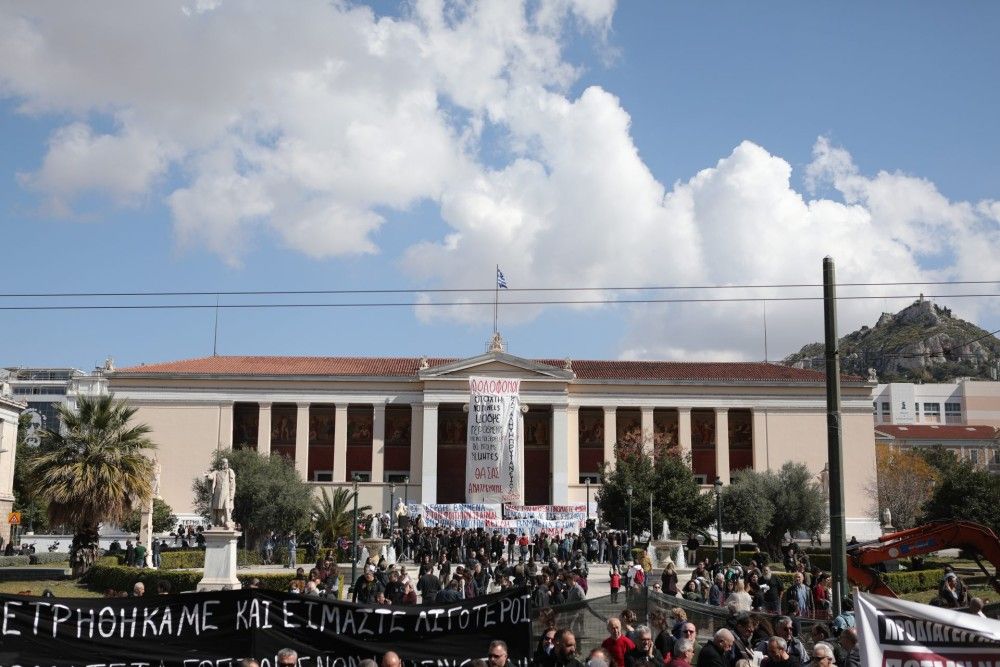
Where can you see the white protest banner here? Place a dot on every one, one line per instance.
(456, 515)
(492, 470)
(899, 633)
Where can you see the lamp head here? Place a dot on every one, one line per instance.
(718, 484)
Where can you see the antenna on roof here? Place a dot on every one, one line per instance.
(215, 333)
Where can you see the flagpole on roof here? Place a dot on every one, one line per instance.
(496, 297)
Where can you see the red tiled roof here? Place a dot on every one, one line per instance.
(317, 366)
(408, 366)
(936, 431)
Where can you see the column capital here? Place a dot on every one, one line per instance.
(684, 410)
(610, 409)
(303, 404)
(264, 405)
(559, 408)
(722, 410)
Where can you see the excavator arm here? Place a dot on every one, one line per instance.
(919, 541)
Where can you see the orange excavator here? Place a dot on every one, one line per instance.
(931, 537)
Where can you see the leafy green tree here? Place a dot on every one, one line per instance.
(793, 498)
(270, 495)
(334, 516)
(967, 493)
(27, 500)
(746, 507)
(163, 518)
(941, 459)
(676, 495)
(90, 471)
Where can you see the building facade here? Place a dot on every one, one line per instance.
(44, 389)
(10, 412)
(402, 422)
(973, 402)
(979, 445)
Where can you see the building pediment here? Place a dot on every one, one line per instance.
(497, 364)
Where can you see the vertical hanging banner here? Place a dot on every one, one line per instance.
(493, 467)
(899, 633)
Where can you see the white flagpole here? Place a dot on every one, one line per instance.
(496, 296)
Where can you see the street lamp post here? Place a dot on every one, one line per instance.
(588, 498)
(650, 518)
(392, 503)
(406, 490)
(718, 514)
(354, 537)
(628, 538)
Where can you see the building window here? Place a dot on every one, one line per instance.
(974, 456)
(953, 413)
(322, 475)
(593, 478)
(875, 408)
(885, 411)
(996, 457)
(932, 413)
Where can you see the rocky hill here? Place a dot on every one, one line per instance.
(921, 343)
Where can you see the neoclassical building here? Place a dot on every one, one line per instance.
(400, 423)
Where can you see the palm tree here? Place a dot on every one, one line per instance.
(93, 471)
(335, 516)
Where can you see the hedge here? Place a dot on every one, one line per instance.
(913, 581)
(120, 578)
(14, 561)
(195, 558)
(45, 559)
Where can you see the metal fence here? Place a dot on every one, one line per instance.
(588, 620)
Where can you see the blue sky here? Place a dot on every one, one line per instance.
(207, 146)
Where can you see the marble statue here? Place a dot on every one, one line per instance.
(157, 471)
(401, 509)
(223, 493)
(886, 517)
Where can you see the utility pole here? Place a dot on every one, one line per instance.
(834, 442)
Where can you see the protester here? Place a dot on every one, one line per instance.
(846, 651)
(563, 651)
(682, 654)
(644, 654)
(822, 655)
(777, 654)
(497, 656)
(713, 653)
(617, 644)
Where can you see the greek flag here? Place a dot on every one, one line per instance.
(501, 280)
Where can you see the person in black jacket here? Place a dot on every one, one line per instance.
(713, 654)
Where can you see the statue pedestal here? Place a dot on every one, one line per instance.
(220, 560)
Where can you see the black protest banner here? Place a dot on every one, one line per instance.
(217, 629)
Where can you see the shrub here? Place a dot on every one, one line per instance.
(47, 558)
(195, 558)
(14, 561)
(120, 578)
(104, 576)
(744, 555)
(913, 581)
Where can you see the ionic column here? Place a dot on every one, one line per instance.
(378, 443)
(610, 436)
(560, 456)
(722, 444)
(340, 442)
(648, 435)
(302, 440)
(429, 456)
(264, 429)
(684, 432)
(226, 425)
(573, 444)
(416, 442)
(759, 440)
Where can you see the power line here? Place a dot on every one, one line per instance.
(547, 302)
(450, 290)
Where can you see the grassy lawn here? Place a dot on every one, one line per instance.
(61, 589)
(985, 592)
